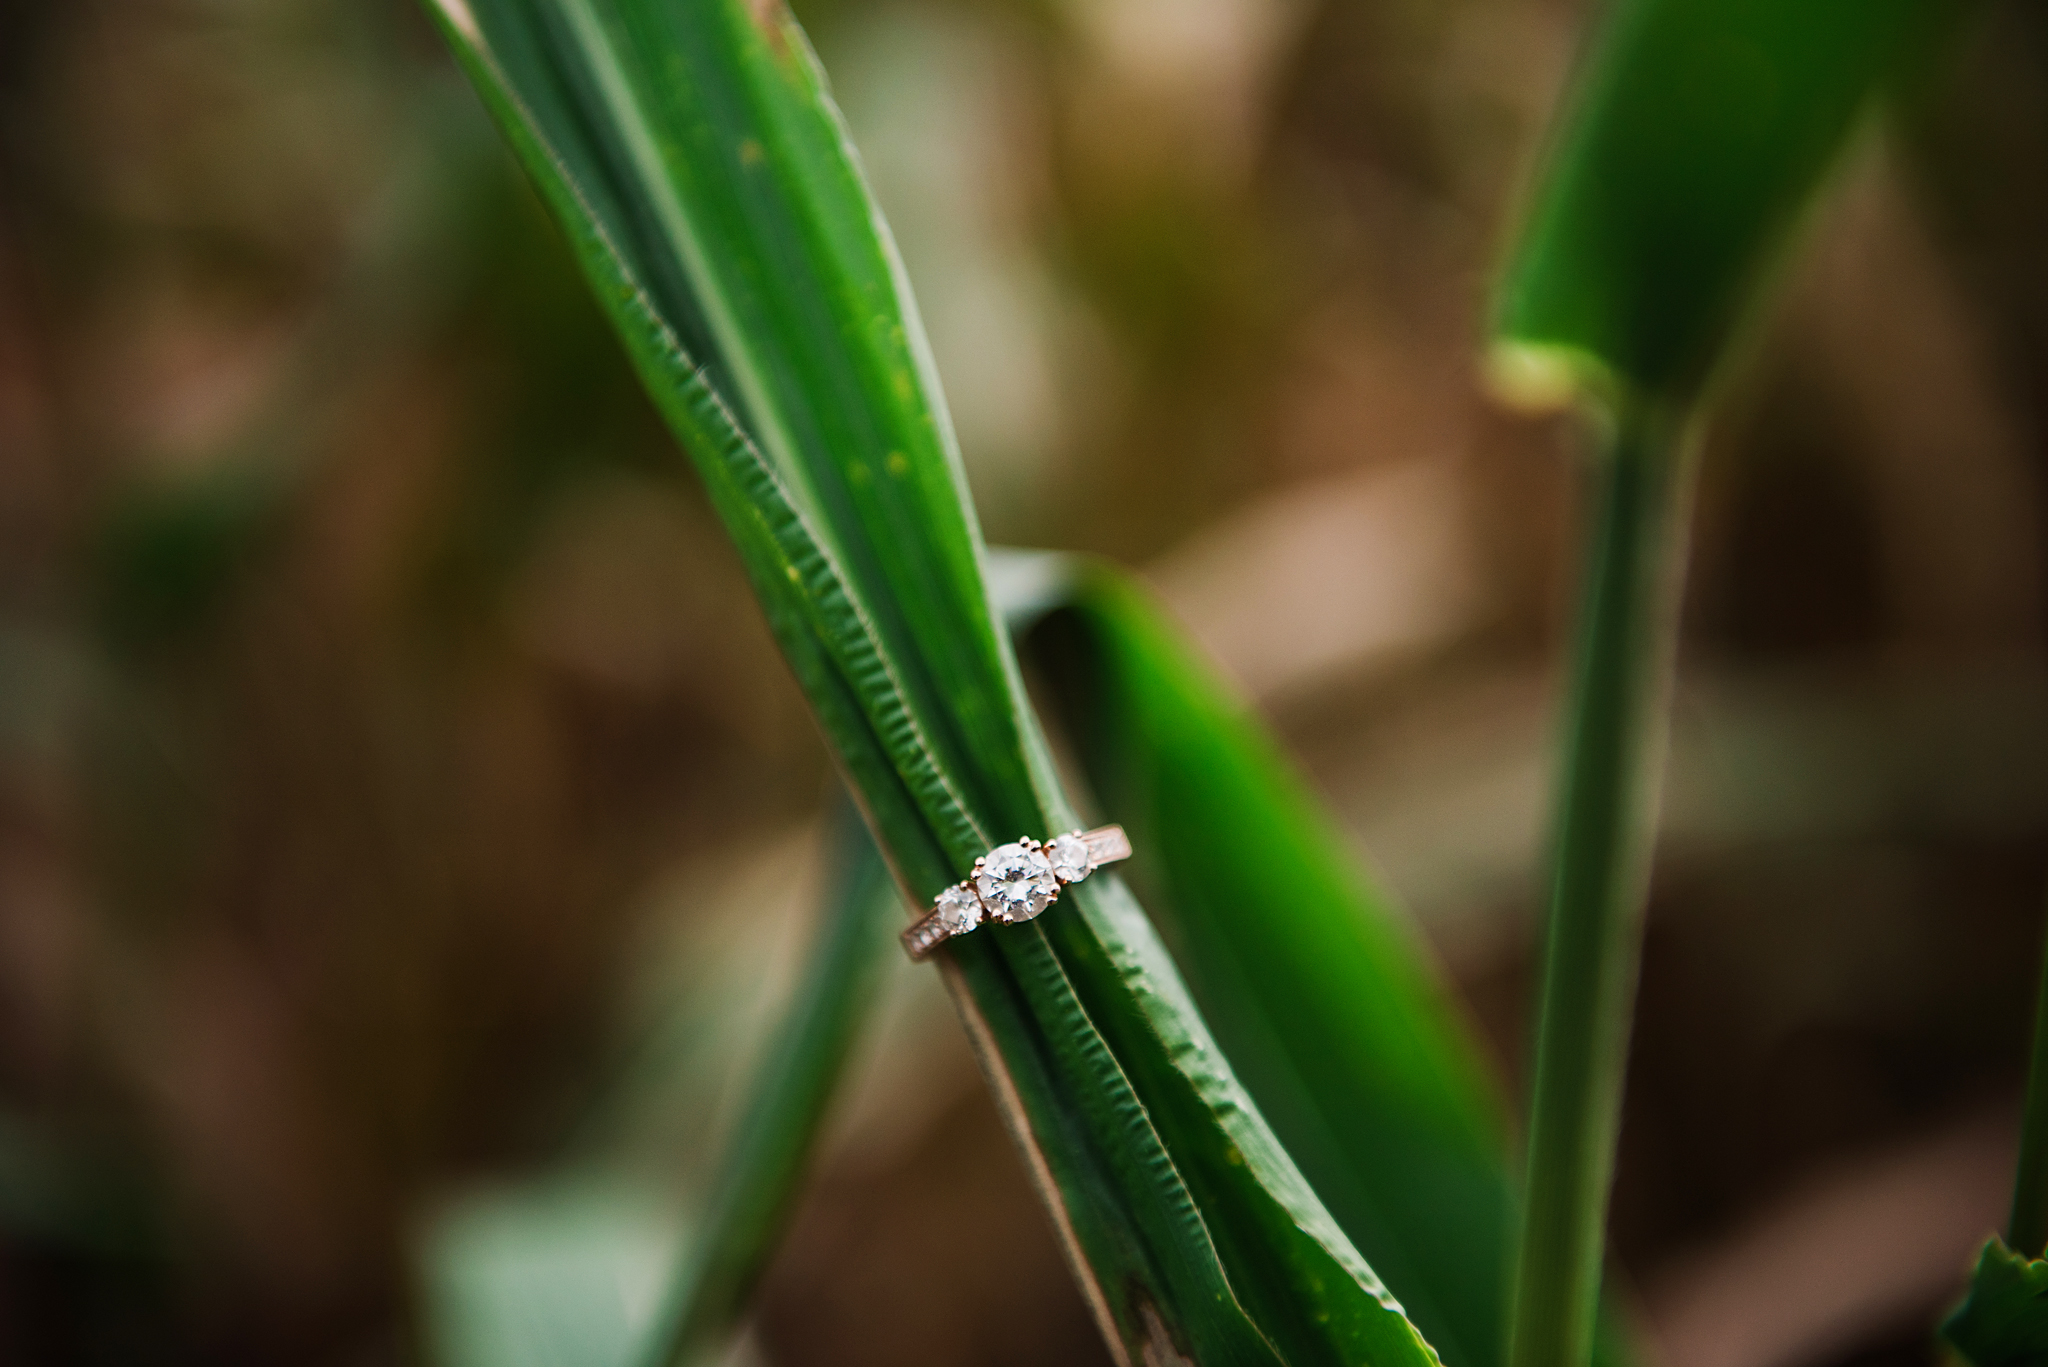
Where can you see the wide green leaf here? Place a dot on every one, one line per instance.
(701, 174)
(1327, 1002)
(1322, 995)
(2003, 1321)
(1696, 135)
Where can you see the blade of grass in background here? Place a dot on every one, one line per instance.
(1699, 133)
(2003, 1322)
(706, 186)
(755, 1183)
(1695, 138)
(595, 1261)
(1600, 873)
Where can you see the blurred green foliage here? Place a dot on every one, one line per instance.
(2003, 1322)
(1697, 135)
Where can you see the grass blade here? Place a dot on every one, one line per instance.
(1696, 138)
(1699, 134)
(1600, 879)
(1319, 991)
(703, 179)
(756, 1180)
(2003, 1321)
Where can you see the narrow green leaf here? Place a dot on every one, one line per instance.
(1169, 1226)
(1322, 996)
(705, 184)
(737, 200)
(756, 1180)
(1618, 718)
(2003, 1320)
(1289, 1262)
(831, 647)
(1696, 135)
(594, 1261)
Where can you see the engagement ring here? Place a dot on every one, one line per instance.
(1015, 882)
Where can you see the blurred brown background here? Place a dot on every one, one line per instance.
(406, 823)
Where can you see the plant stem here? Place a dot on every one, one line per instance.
(757, 1175)
(1604, 830)
(2027, 1230)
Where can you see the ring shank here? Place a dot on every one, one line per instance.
(924, 937)
(1106, 845)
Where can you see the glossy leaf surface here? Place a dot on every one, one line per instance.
(692, 157)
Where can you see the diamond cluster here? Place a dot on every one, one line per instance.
(1011, 883)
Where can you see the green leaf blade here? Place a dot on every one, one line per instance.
(765, 1157)
(807, 312)
(2003, 1320)
(1320, 993)
(1295, 1270)
(1697, 139)
(1699, 131)
(868, 568)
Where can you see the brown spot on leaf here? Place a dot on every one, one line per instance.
(769, 16)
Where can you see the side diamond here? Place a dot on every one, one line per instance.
(1069, 856)
(959, 909)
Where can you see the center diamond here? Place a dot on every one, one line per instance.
(1016, 882)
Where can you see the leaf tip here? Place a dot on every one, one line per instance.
(1542, 378)
(456, 12)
